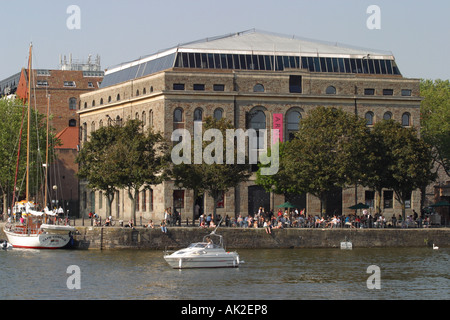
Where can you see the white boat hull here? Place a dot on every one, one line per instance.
(38, 241)
(208, 260)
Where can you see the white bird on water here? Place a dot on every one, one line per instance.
(435, 247)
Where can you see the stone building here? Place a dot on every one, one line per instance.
(257, 80)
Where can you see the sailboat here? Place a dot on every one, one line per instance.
(34, 230)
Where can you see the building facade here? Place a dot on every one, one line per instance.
(258, 81)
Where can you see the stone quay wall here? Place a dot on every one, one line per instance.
(98, 238)
(107, 238)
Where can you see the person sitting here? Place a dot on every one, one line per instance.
(107, 222)
(163, 226)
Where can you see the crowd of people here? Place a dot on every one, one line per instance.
(299, 219)
(286, 219)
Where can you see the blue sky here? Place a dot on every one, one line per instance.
(416, 32)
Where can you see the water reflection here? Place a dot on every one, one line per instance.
(406, 273)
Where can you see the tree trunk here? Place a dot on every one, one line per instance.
(133, 203)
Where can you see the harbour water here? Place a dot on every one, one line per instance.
(287, 274)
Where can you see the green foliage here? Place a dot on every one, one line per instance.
(13, 116)
(214, 178)
(123, 157)
(326, 152)
(435, 118)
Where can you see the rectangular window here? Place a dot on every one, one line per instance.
(42, 83)
(406, 92)
(144, 200)
(199, 87)
(191, 60)
(295, 84)
(388, 199)
(69, 84)
(90, 85)
(408, 202)
(178, 199)
(369, 92)
(341, 65)
(219, 87)
(370, 198)
(221, 201)
(348, 69)
(323, 65)
(388, 92)
(178, 86)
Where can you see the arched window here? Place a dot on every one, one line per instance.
(218, 114)
(258, 88)
(144, 118)
(293, 123)
(198, 115)
(406, 119)
(100, 124)
(258, 123)
(387, 116)
(109, 99)
(150, 118)
(136, 116)
(93, 103)
(72, 123)
(144, 91)
(92, 126)
(137, 93)
(118, 97)
(331, 90)
(369, 118)
(178, 121)
(101, 101)
(72, 103)
(85, 105)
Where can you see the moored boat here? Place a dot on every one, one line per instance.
(205, 254)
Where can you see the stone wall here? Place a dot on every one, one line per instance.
(140, 238)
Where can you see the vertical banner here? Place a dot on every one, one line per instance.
(277, 125)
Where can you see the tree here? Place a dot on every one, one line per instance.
(213, 178)
(13, 119)
(97, 165)
(140, 159)
(407, 158)
(326, 153)
(435, 119)
(119, 157)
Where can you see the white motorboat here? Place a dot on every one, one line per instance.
(209, 253)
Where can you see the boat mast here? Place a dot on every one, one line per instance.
(46, 154)
(28, 126)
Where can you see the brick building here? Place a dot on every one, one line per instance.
(60, 90)
(250, 78)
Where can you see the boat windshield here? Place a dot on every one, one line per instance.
(198, 245)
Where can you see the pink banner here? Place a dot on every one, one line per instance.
(277, 124)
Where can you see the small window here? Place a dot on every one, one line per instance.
(178, 115)
(118, 97)
(90, 85)
(369, 118)
(199, 87)
(331, 90)
(258, 88)
(388, 92)
(219, 87)
(109, 99)
(101, 101)
(295, 84)
(406, 92)
(178, 86)
(72, 123)
(69, 84)
(42, 83)
(369, 92)
(93, 103)
(137, 93)
(406, 119)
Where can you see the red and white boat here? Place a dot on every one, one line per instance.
(33, 233)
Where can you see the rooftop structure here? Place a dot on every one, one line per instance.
(256, 50)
